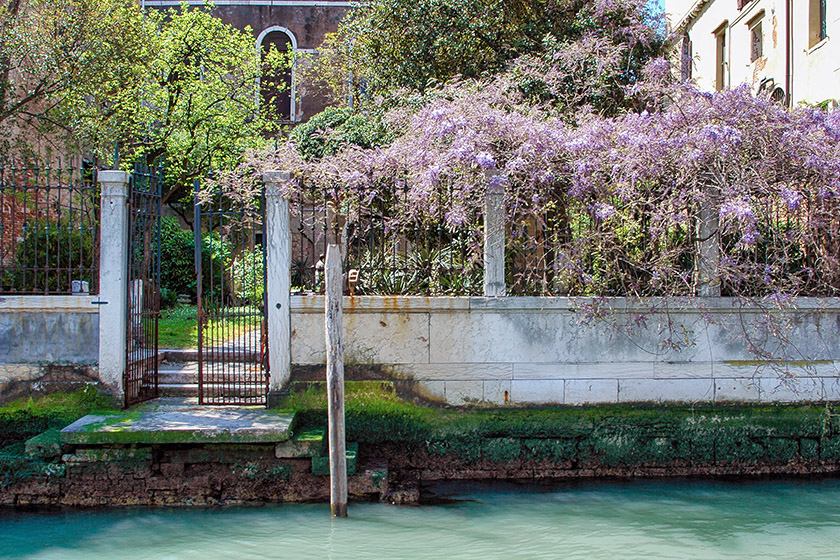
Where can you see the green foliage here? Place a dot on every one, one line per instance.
(55, 56)
(609, 436)
(26, 418)
(334, 128)
(63, 250)
(247, 271)
(177, 257)
(198, 100)
(428, 271)
(191, 94)
(415, 44)
(168, 298)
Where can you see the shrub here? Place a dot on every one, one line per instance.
(51, 254)
(177, 258)
(334, 127)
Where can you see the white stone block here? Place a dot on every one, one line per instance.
(464, 392)
(736, 390)
(666, 390)
(831, 388)
(590, 391)
(370, 338)
(537, 391)
(545, 371)
(790, 389)
(454, 372)
(497, 337)
(433, 390)
(497, 391)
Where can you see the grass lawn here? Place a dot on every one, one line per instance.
(178, 327)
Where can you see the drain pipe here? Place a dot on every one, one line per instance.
(788, 52)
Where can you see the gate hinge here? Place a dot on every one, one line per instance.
(99, 303)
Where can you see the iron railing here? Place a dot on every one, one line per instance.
(382, 257)
(231, 306)
(143, 285)
(49, 228)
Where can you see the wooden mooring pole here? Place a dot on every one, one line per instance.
(335, 370)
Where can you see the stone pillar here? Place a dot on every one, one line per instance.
(277, 234)
(494, 235)
(113, 278)
(708, 250)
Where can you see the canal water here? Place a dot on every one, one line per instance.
(589, 520)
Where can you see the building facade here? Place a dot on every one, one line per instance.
(789, 49)
(298, 26)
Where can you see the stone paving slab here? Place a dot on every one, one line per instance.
(179, 420)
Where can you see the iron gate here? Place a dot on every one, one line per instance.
(140, 381)
(230, 278)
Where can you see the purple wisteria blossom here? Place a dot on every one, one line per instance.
(611, 205)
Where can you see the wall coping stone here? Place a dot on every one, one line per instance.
(314, 303)
(49, 304)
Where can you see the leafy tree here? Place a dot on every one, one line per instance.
(177, 84)
(196, 104)
(55, 53)
(414, 44)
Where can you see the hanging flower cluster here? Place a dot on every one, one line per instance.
(609, 205)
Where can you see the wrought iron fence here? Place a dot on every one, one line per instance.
(570, 250)
(140, 379)
(382, 256)
(230, 276)
(49, 228)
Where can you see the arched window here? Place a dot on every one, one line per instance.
(277, 90)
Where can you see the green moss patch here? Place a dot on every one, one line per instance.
(614, 435)
(26, 418)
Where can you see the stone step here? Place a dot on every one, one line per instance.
(178, 372)
(187, 372)
(178, 389)
(174, 421)
(307, 443)
(191, 355)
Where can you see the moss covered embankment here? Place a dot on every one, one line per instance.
(27, 418)
(403, 443)
(561, 442)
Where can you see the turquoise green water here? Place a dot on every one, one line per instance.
(644, 520)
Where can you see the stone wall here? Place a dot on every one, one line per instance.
(580, 351)
(47, 343)
(393, 464)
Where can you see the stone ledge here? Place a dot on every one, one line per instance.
(169, 421)
(49, 304)
(314, 303)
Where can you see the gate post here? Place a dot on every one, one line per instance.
(494, 235)
(113, 275)
(277, 235)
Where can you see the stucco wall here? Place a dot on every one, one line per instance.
(815, 70)
(47, 343)
(572, 351)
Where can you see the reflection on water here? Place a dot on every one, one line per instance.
(640, 519)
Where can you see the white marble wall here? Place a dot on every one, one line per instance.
(545, 350)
